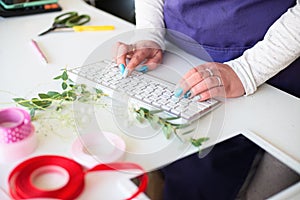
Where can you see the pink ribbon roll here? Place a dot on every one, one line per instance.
(17, 138)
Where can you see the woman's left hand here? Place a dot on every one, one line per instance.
(210, 80)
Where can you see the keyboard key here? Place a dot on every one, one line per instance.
(148, 100)
(138, 96)
(176, 112)
(204, 103)
(166, 107)
(188, 114)
(212, 101)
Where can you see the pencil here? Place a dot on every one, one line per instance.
(39, 51)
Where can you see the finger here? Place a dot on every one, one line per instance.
(199, 68)
(213, 92)
(187, 75)
(138, 57)
(206, 84)
(195, 78)
(210, 67)
(190, 82)
(122, 51)
(182, 86)
(129, 55)
(153, 62)
(202, 70)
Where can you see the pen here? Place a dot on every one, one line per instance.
(93, 28)
(39, 51)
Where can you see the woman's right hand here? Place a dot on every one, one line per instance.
(145, 51)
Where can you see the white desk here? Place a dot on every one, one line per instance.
(269, 117)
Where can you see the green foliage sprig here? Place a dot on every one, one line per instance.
(71, 92)
(168, 128)
(79, 92)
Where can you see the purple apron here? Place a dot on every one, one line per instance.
(225, 29)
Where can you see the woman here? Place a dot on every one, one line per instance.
(250, 41)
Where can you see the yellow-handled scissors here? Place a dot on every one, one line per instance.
(67, 20)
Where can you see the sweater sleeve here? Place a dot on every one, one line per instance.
(150, 20)
(279, 48)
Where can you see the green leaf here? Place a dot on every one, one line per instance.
(54, 95)
(155, 119)
(64, 94)
(161, 122)
(43, 96)
(98, 91)
(142, 113)
(86, 93)
(26, 104)
(83, 86)
(152, 112)
(170, 127)
(204, 139)
(75, 87)
(41, 103)
(167, 130)
(32, 113)
(64, 85)
(145, 110)
(187, 132)
(58, 77)
(195, 142)
(181, 125)
(72, 94)
(154, 124)
(170, 118)
(58, 108)
(23, 102)
(83, 99)
(18, 99)
(69, 95)
(198, 142)
(64, 76)
(139, 118)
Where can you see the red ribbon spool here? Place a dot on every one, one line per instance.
(21, 186)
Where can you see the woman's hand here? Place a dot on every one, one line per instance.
(145, 51)
(210, 80)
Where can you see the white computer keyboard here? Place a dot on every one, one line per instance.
(146, 89)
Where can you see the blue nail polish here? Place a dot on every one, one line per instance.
(125, 73)
(143, 69)
(178, 92)
(122, 68)
(187, 94)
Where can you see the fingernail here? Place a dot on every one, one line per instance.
(187, 94)
(197, 98)
(178, 92)
(125, 73)
(122, 68)
(143, 69)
